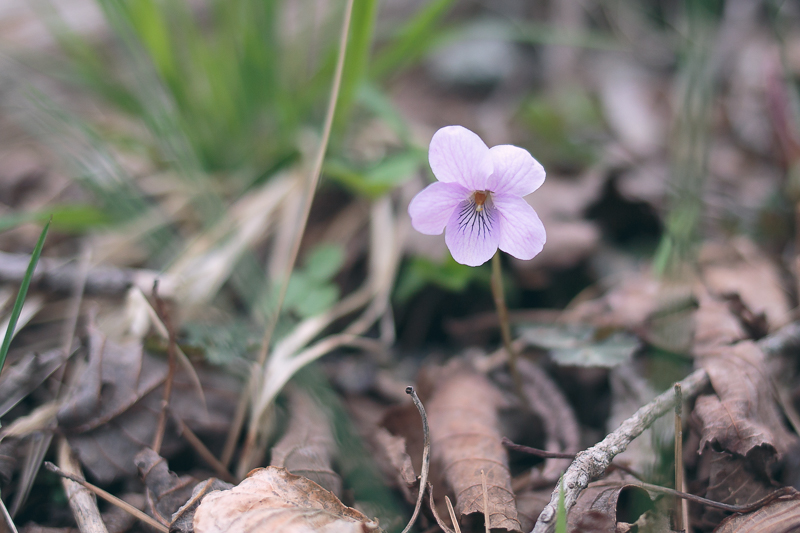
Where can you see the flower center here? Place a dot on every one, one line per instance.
(480, 199)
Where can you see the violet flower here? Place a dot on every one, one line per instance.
(478, 198)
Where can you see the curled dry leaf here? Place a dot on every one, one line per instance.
(715, 325)
(743, 415)
(183, 519)
(168, 491)
(780, 516)
(740, 268)
(465, 440)
(597, 508)
(308, 445)
(273, 499)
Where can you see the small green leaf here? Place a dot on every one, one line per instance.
(324, 262)
(23, 291)
(379, 179)
(318, 300)
(582, 345)
(447, 275)
(297, 290)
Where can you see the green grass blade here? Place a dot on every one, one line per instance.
(357, 58)
(23, 291)
(413, 40)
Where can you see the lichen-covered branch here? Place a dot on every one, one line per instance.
(592, 463)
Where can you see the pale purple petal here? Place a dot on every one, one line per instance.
(472, 236)
(522, 233)
(432, 206)
(515, 171)
(458, 155)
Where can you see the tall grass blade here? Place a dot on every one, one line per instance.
(23, 291)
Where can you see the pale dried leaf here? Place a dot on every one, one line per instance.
(465, 440)
(395, 449)
(744, 414)
(183, 519)
(744, 270)
(273, 499)
(715, 325)
(780, 516)
(308, 446)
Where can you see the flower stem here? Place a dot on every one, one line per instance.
(505, 325)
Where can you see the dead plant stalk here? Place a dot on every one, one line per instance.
(311, 187)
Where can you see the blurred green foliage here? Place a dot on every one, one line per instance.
(232, 84)
(311, 290)
(66, 218)
(447, 274)
(563, 126)
(379, 178)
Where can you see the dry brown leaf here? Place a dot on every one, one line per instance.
(465, 440)
(780, 516)
(183, 519)
(20, 379)
(596, 509)
(307, 447)
(734, 480)
(84, 398)
(273, 499)
(741, 268)
(626, 306)
(395, 448)
(107, 434)
(715, 325)
(743, 415)
(166, 491)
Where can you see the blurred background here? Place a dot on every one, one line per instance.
(173, 139)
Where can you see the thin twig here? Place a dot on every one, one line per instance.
(81, 502)
(436, 516)
(592, 463)
(536, 451)
(9, 523)
(741, 509)
(172, 356)
(485, 491)
(426, 456)
(302, 221)
(193, 440)
(452, 514)
(561, 455)
(61, 275)
(679, 523)
(110, 498)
